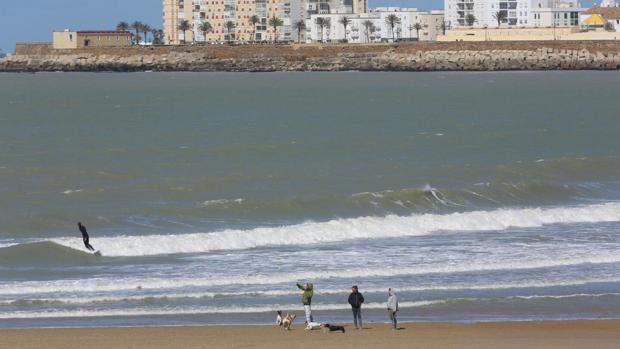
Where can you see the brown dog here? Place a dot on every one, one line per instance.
(332, 328)
(288, 321)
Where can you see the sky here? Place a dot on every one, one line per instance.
(35, 20)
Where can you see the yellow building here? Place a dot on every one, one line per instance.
(91, 38)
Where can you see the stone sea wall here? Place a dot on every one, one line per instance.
(383, 57)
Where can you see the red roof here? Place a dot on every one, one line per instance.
(607, 12)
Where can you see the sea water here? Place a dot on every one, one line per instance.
(476, 196)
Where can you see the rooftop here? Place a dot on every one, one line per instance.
(607, 12)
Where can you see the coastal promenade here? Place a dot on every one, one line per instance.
(446, 56)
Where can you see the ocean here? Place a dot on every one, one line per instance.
(476, 196)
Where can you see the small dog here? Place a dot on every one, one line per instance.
(279, 318)
(313, 326)
(332, 328)
(288, 321)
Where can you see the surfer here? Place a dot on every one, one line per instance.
(85, 236)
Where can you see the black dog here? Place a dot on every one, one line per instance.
(332, 328)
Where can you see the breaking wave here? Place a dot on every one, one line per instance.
(258, 308)
(152, 283)
(43, 253)
(337, 230)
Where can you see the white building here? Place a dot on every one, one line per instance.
(373, 26)
(457, 12)
(555, 13)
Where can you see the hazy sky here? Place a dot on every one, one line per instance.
(34, 20)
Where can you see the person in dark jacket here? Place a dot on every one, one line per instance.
(306, 300)
(85, 236)
(356, 299)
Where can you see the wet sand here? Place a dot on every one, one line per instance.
(531, 334)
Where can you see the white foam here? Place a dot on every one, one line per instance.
(168, 296)
(260, 308)
(220, 202)
(108, 284)
(349, 229)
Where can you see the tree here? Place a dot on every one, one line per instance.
(417, 28)
(470, 20)
(158, 36)
(146, 29)
(322, 23)
(368, 26)
(443, 26)
(254, 20)
(345, 21)
(499, 16)
(137, 26)
(122, 26)
(275, 22)
(300, 25)
(230, 26)
(205, 27)
(392, 20)
(184, 26)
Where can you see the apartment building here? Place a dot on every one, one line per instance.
(372, 26)
(555, 13)
(459, 12)
(219, 12)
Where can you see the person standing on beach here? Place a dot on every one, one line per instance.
(306, 300)
(392, 307)
(85, 237)
(356, 299)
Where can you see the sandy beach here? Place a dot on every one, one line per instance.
(532, 334)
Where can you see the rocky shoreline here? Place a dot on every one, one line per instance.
(388, 57)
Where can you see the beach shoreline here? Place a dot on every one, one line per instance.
(514, 334)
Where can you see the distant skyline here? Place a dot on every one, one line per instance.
(34, 20)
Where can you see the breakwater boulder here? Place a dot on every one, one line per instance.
(384, 57)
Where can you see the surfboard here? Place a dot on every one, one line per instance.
(97, 253)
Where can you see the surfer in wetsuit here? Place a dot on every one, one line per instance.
(85, 236)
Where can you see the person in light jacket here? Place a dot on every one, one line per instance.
(306, 300)
(356, 299)
(392, 307)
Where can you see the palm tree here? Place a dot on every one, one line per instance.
(137, 26)
(500, 16)
(158, 36)
(470, 20)
(369, 26)
(205, 27)
(392, 20)
(275, 22)
(230, 26)
(122, 26)
(146, 29)
(417, 28)
(322, 23)
(443, 26)
(254, 20)
(345, 21)
(184, 26)
(300, 25)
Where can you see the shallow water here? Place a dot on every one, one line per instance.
(478, 196)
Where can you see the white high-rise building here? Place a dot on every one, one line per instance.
(460, 13)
